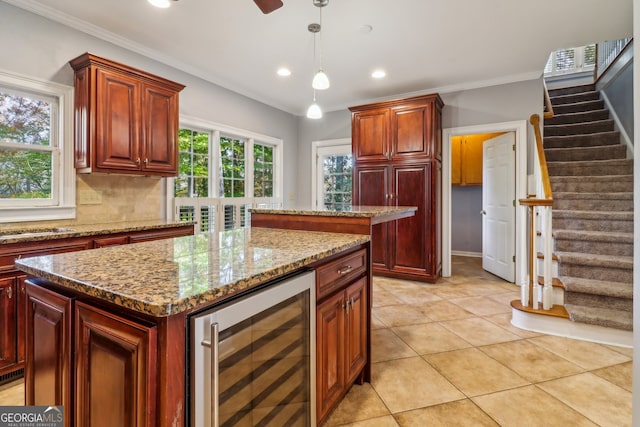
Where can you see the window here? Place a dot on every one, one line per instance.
(572, 60)
(333, 174)
(37, 180)
(215, 186)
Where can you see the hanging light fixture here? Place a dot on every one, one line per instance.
(314, 111)
(320, 80)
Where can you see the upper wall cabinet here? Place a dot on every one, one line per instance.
(398, 130)
(126, 120)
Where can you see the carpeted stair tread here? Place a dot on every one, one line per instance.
(590, 87)
(573, 98)
(605, 261)
(592, 184)
(593, 196)
(606, 152)
(596, 104)
(595, 243)
(617, 221)
(591, 168)
(601, 316)
(578, 117)
(579, 128)
(586, 140)
(594, 236)
(598, 287)
(577, 215)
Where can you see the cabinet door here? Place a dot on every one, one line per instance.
(48, 345)
(472, 159)
(115, 370)
(412, 187)
(8, 318)
(117, 121)
(160, 129)
(370, 133)
(411, 131)
(356, 329)
(330, 353)
(371, 187)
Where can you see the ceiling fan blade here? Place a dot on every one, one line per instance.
(268, 6)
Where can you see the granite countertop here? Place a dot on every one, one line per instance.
(166, 277)
(349, 211)
(10, 234)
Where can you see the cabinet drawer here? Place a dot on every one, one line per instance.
(340, 272)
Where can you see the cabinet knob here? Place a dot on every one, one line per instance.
(146, 162)
(138, 161)
(9, 292)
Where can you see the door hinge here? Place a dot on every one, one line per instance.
(514, 203)
(514, 258)
(514, 147)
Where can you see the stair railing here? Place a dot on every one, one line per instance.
(540, 204)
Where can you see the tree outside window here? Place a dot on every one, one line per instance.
(26, 151)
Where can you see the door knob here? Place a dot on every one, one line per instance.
(483, 212)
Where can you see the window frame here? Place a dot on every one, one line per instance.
(62, 204)
(216, 131)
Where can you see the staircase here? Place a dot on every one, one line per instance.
(592, 183)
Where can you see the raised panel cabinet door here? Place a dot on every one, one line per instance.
(472, 159)
(370, 134)
(48, 369)
(356, 327)
(412, 187)
(117, 121)
(8, 306)
(160, 129)
(115, 370)
(330, 369)
(371, 187)
(411, 131)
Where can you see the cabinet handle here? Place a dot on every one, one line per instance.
(345, 305)
(138, 161)
(9, 292)
(351, 303)
(344, 270)
(146, 162)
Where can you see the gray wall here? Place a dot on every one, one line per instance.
(619, 91)
(466, 221)
(37, 47)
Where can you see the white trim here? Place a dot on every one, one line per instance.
(561, 327)
(467, 254)
(520, 129)
(618, 125)
(64, 185)
(315, 145)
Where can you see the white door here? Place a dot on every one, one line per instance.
(498, 206)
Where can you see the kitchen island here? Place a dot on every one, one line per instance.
(107, 329)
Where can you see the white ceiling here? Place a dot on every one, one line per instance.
(424, 45)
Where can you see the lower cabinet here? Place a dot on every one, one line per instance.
(341, 334)
(8, 312)
(111, 373)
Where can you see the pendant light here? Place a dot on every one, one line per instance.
(320, 80)
(314, 111)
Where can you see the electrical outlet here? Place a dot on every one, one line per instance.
(89, 197)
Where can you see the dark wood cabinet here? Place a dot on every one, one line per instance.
(397, 146)
(13, 294)
(115, 369)
(48, 370)
(126, 120)
(342, 324)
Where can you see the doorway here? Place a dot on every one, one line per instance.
(519, 128)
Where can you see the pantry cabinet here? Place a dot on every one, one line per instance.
(397, 147)
(126, 120)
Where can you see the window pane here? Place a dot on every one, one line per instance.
(337, 181)
(181, 187)
(24, 120)
(193, 164)
(565, 60)
(590, 54)
(263, 171)
(25, 174)
(233, 167)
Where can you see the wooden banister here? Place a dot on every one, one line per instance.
(546, 183)
(548, 107)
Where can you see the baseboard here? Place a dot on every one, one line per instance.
(566, 328)
(468, 254)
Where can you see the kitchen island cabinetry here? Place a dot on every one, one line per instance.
(131, 310)
(126, 120)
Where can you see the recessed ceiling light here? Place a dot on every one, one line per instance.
(160, 3)
(378, 74)
(284, 72)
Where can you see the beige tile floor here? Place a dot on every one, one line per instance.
(446, 355)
